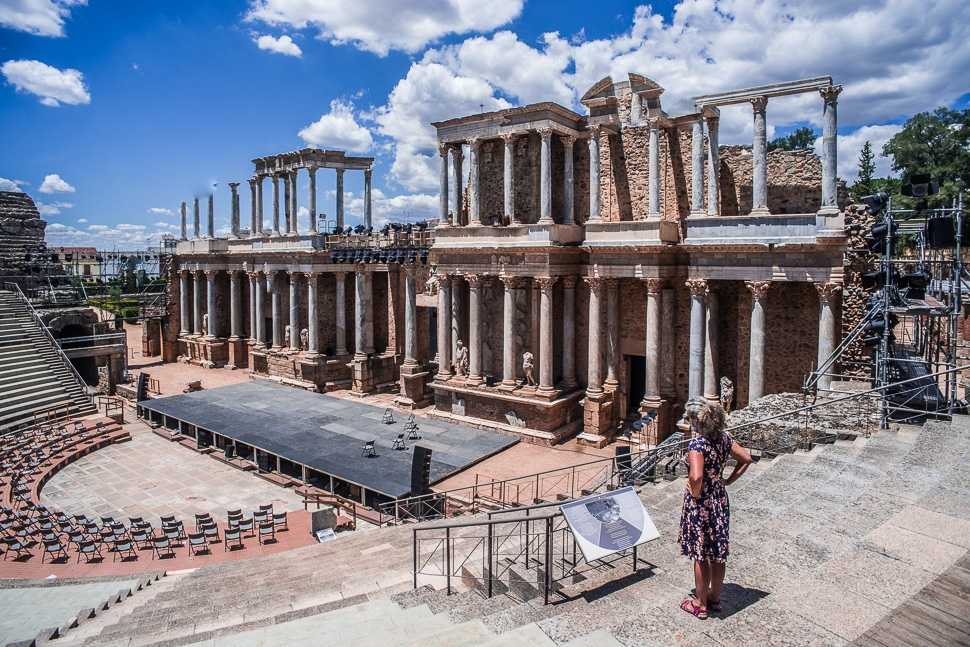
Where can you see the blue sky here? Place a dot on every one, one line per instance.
(170, 97)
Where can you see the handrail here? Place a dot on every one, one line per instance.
(486, 522)
(53, 342)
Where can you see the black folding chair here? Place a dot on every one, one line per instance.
(162, 546)
(55, 549)
(197, 544)
(232, 538)
(267, 532)
(125, 549)
(279, 521)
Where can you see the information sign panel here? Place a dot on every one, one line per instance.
(604, 524)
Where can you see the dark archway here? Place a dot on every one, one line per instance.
(87, 367)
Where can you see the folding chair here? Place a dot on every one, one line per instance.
(246, 525)
(162, 546)
(55, 549)
(399, 442)
(15, 545)
(267, 532)
(268, 508)
(173, 535)
(233, 538)
(141, 539)
(90, 550)
(368, 450)
(279, 521)
(211, 532)
(197, 544)
(125, 548)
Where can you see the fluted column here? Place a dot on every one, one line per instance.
(568, 198)
(457, 308)
(594, 173)
(756, 356)
(235, 306)
(410, 316)
(475, 282)
(568, 332)
(594, 376)
(612, 334)
(653, 171)
(313, 319)
(711, 385)
(259, 205)
(759, 157)
(260, 306)
(827, 294)
(697, 168)
(456, 159)
(184, 308)
(369, 313)
(368, 220)
(508, 177)
(362, 316)
(196, 222)
(234, 213)
(210, 220)
(474, 216)
(183, 230)
(198, 293)
(443, 219)
(444, 326)
(545, 177)
(312, 202)
(340, 296)
(294, 205)
(273, 283)
(651, 393)
(294, 310)
(830, 97)
(695, 370)
(546, 375)
(254, 311)
(511, 284)
(210, 309)
(340, 197)
(276, 205)
(713, 168)
(253, 209)
(287, 203)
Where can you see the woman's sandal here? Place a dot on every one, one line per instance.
(690, 606)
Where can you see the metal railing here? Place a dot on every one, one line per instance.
(93, 341)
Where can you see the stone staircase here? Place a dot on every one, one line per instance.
(34, 377)
(824, 544)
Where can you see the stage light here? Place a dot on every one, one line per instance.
(876, 202)
(920, 185)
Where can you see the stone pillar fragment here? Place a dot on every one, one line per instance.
(827, 294)
(594, 173)
(651, 393)
(653, 171)
(185, 311)
(830, 96)
(546, 377)
(210, 221)
(545, 177)
(713, 168)
(474, 198)
(340, 198)
(508, 178)
(196, 223)
(294, 206)
(759, 158)
(287, 203)
(360, 315)
(410, 316)
(443, 216)
(444, 326)
(457, 308)
(183, 230)
(569, 332)
(312, 202)
(697, 168)
(313, 318)
(569, 206)
(456, 159)
(259, 205)
(234, 210)
(253, 209)
(695, 371)
(254, 310)
(711, 382)
(368, 221)
(756, 356)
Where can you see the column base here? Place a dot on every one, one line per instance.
(659, 429)
(238, 353)
(362, 375)
(760, 211)
(414, 387)
(598, 429)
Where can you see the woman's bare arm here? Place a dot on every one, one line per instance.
(742, 459)
(695, 476)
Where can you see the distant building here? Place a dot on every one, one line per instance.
(79, 261)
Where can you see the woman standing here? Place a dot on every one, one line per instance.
(706, 516)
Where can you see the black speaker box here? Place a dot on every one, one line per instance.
(420, 470)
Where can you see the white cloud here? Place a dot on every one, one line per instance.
(53, 183)
(52, 208)
(52, 85)
(399, 208)
(161, 211)
(121, 236)
(338, 129)
(282, 45)
(850, 145)
(39, 17)
(10, 185)
(82, 221)
(379, 26)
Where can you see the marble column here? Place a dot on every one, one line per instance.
(443, 219)
(711, 383)
(369, 313)
(474, 197)
(759, 158)
(368, 221)
(651, 392)
(276, 298)
(253, 209)
(259, 307)
(668, 323)
(456, 159)
(259, 204)
(235, 306)
(444, 326)
(653, 171)
(287, 203)
(695, 370)
(313, 319)
(569, 202)
(545, 177)
(594, 173)
(254, 311)
(340, 197)
(697, 168)
(593, 376)
(713, 168)
(294, 206)
(210, 221)
(756, 355)
(363, 322)
(546, 376)
(183, 232)
(340, 297)
(411, 315)
(210, 304)
(612, 334)
(234, 213)
(276, 205)
(457, 308)
(184, 308)
(827, 294)
(198, 294)
(569, 332)
(294, 310)
(312, 202)
(830, 96)
(508, 178)
(475, 282)
(196, 221)
(512, 284)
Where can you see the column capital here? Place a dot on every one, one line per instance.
(712, 121)
(253, 181)
(339, 273)
(184, 272)
(595, 130)
(475, 143)
(545, 133)
(233, 186)
(827, 292)
(653, 123)
(569, 281)
(340, 171)
(831, 93)
(758, 104)
(211, 274)
(546, 283)
(254, 275)
(697, 287)
(595, 283)
(475, 280)
(310, 275)
(368, 172)
(457, 151)
(443, 149)
(312, 170)
(509, 137)
(759, 289)
(568, 140)
(511, 282)
(654, 285)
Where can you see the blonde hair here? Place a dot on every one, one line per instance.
(710, 418)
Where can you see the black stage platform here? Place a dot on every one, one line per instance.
(325, 433)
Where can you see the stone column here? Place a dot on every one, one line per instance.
(369, 313)
(362, 306)
(340, 197)
(759, 158)
(456, 158)
(651, 393)
(368, 222)
(313, 319)
(184, 223)
(695, 370)
(411, 315)
(713, 168)
(273, 284)
(235, 306)
(546, 376)
(259, 204)
(196, 232)
(635, 109)
(287, 203)
(294, 206)
(756, 357)
(184, 308)
(594, 173)
(276, 205)
(697, 168)
(545, 177)
(312, 202)
(255, 310)
(508, 177)
(210, 304)
(294, 311)
(830, 96)
(569, 206)
(253, 209)
(474, 216)
(711, 384)
(234, 217)
(260, 298)
(593, 385)
(340, 296)
(198, 307)
(827, 293)
(653, 171)
(443, 219)
(210, 221)
(668, 307)
(475, 282)
(568, 332)
(612, 334)
(444, 326)
(456, 311)
(512, 284)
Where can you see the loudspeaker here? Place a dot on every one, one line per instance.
(940, 233)
(623, 459)
(141, 392)
(420, 470)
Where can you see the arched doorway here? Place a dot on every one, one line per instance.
(87, 367)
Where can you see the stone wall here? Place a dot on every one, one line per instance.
(794, 181)
(856, 361)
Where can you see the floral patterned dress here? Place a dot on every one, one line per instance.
(704, 522)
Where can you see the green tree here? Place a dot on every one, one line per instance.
(935, 143)
(797, 139)
(867, 169)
